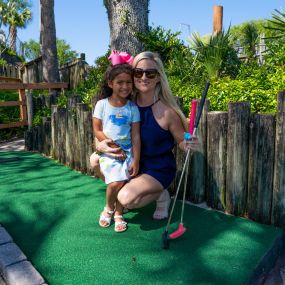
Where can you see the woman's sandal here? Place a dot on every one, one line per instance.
(120, 226)
(162, 206)
(105, 219)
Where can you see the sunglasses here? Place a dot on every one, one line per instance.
(149, 73)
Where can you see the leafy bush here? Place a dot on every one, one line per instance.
(90, 86)
(9, 114)
(241, 81)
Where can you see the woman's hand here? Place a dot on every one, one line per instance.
(192, 144)
(108, 147)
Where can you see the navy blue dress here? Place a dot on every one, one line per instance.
(157, 159)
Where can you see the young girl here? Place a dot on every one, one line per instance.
(117, 118)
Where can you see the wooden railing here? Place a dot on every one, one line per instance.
(9, 83)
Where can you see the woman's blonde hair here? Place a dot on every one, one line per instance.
(162, 89)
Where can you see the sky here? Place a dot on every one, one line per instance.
(84, 24)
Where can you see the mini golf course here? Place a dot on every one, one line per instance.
(52, 214)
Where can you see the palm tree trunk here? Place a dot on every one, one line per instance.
(48, 42)
(126, 17)
(13, 37)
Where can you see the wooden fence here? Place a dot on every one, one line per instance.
(71, 73)
(240, 168)
(24, 102)
(10, 70)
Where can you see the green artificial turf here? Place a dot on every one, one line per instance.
(52, 213)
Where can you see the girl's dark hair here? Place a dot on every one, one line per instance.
(110, 74)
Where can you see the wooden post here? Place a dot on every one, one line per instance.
(237, 158)
(35, 130)
(46, 132)
(217, 124)
(260, 164)
(62, 135)
(88, 135)
(23, 107)
(29, 97)
(198, 161)
(218, 19)
(81, 108)
(278, 203)
(71, 131)
(54, 131)
(28, 136)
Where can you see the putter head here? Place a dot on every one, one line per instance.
(165, 240)
(179, 232)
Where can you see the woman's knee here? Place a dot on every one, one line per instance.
(126, 198)
(94, 160)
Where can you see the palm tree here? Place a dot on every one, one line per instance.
(249, 40)
(213, 53)
(15, 14)
(278, 22)
(48, 42)
(126, 18)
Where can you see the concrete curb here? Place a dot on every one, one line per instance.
(14, 266)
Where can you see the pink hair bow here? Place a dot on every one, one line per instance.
(119, 58)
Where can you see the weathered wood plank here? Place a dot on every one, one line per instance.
(237, 158)
(260, 167)
(35, 130)
(217, 124)
(62, 116)
(46, 133)
(278, 203)
(9, 79)
(23, 109)
(12, 103)
(54, 131)
(13, 125)
(81, 108)
(88, 136)
(198, 168)
(71, 132)
(30, 108)
(28, 136)
(43, 85)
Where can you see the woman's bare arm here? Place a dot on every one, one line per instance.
(136, 141)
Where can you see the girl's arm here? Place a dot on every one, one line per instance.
(106, 145)
(98, 130)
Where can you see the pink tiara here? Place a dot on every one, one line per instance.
(119, 58)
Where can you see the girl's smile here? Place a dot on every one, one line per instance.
(122, 86)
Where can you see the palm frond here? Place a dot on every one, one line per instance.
(277, 22)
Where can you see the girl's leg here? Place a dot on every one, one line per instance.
(120, 224)
(139, 191)
(111, 197)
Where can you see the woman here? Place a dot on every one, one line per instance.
(162, 124)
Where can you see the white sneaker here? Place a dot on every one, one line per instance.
(162, 206)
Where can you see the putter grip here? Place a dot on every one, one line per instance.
(202, 105)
